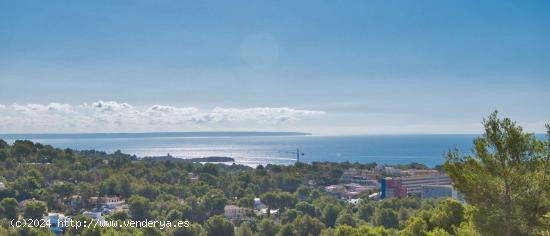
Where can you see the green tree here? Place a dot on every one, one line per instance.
(9, 208)
(289, 183)
(448, 214)
(415, 226)
(329, 215)
(306, 225)
(91, 231)
(303, 192)
(123, 186)
(219, 226)
(31, 231)
(287, 230)
(175, 214)
(26, 187)
(507, 178)
(306, 208)
(119, 216)
(139, 207)
(23, 148)
(75, 230)
(438, 232)
(385, 217)
(3, 144)
(8, 231)
(63, 190)
(245, 230)
(268, 227)
(289, 216)
(4, 154)
(467, 228)
(345, 218)
(210, 169)
(246, 201)
(192, 230)
(270, 199)
(86, 191)
(342, 230)
(365, 210)
(151, 231)
(285, 200)
(214, 201)
(34, 210)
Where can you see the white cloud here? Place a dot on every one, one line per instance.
(112, 116)
(276, 115)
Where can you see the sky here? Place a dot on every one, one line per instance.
(325, 67)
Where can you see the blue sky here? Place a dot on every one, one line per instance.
(353, 67)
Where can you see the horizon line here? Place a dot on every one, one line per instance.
(258, 133)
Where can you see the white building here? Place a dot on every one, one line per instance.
(392, 171)
(110, 204)
(413, 184)
(94, 215)
(235, 212)
(336, 190)
(57, 221)
(354, 201)
(358, 176)
(417, 172)
(439, 191)
(258, 205)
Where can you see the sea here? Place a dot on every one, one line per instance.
(261, 148)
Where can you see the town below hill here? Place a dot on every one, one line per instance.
(42, 182)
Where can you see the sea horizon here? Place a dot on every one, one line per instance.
(261, 148)
(53, 135)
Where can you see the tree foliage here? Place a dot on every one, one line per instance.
(219, 226)
(507, 178)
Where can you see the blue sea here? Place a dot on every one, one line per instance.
(250, 148)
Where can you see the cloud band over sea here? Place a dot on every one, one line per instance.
(112, 116)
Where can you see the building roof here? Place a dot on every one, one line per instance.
(231, 207)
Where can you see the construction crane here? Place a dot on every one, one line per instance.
(297, 153)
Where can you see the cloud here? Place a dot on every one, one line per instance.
(39, 108)
(277, 115)
(112, 116)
